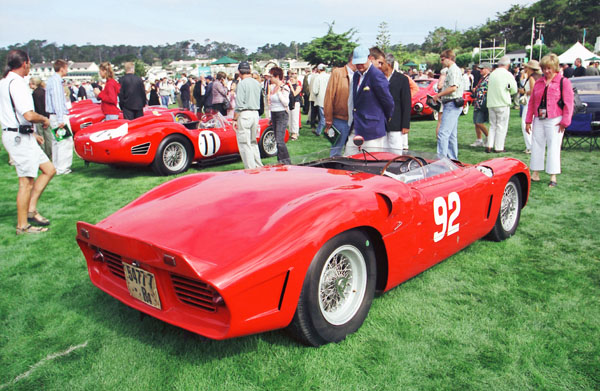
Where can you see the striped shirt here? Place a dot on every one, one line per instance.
(56, 101)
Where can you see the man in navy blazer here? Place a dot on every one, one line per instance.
(373, 104)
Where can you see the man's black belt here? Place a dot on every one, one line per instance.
(249, 110)
(12, 129)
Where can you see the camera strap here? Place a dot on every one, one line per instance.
(12, 102)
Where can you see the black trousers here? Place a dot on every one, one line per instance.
(132, 114)
(314, 114)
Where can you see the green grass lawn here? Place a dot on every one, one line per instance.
(523, 314)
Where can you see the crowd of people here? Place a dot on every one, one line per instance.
(366, 97)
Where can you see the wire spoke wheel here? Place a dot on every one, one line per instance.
(342, 285)
(509, 206)
(175, 156)
(268, 143)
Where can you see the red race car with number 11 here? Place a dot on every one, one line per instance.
(169, 147)
(302, 247)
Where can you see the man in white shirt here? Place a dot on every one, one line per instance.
(22, 143)
(320, 88)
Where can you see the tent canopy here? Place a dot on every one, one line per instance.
(409, 64)
(225, 60)
(575, 51)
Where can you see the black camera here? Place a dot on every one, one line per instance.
(25, 129)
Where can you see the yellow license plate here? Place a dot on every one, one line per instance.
(142, 285)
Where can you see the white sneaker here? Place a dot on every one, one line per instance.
(477, 143)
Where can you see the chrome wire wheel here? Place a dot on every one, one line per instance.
(342, 285)
(269, 143)
(175, 156)
(509, 207)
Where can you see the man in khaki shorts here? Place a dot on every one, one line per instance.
(22, 143)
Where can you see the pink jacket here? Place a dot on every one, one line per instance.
(552, 99)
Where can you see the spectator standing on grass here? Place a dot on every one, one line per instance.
(248, 96)
(199, 94)
(319, 88)
(480, 110)
(153, 99)
(592, 69)
(109, 95)
(21, 142)
(452, 91)
(184, 90)
(219, 93)
(279, 100)
(56, 106)
(501, 86)
(337, 107)
(533, 72)
(548, 115)
(39, 104)
(372, 101)
(399, 124)
(164, 91)
(132, 95)
(579, 68)
(296, 91)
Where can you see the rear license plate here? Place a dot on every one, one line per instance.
(142, 285)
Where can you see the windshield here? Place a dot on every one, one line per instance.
(402, 165)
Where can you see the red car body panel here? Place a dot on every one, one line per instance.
(247, 237)
(86, 113)
(151, 129)
(419, 107)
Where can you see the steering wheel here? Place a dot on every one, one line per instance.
(410, 158)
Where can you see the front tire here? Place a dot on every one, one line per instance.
(174, 155)
(509, 213)
(338, 290)
(267, 144)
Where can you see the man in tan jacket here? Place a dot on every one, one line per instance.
(338, 104)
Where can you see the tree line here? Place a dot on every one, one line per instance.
(564, 23)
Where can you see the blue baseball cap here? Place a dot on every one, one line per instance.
(360, 55)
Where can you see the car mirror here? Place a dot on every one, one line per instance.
(358, 140)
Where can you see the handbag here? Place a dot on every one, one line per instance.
(226, 104)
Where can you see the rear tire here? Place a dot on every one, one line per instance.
(509, 213)
(338, 290)
(267, 144)
(174, 155)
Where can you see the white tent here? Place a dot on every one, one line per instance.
(575, 51)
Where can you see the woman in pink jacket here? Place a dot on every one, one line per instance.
(550, 109)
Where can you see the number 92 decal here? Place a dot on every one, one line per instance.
(441, 209)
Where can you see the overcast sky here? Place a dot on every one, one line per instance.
(247, 23)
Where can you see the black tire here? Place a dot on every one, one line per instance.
(174, 155)
(338, 290)
(267, 144)
(509, 213)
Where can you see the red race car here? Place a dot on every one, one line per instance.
(225, 254)
(169, 147)
(419, 105)
(86, 113)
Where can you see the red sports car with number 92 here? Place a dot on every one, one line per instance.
(303, 247)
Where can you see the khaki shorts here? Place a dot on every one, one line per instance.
(25, 152)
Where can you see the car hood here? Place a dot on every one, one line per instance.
(227, 217)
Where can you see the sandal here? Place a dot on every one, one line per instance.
(535, 179)
(552, 184)
(36, 218)
(30, 229)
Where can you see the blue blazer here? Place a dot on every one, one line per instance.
(373, 104)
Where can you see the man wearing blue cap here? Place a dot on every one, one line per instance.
(373, 103)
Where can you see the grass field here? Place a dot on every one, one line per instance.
(523, 314)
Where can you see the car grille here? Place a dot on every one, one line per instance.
(114, 263)
(195, 293)
(141, 149)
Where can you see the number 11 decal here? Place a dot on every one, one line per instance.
(440, 215)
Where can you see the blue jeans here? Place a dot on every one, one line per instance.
(321, 125)
(447, 142)
(344, 128)
(164, 100)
